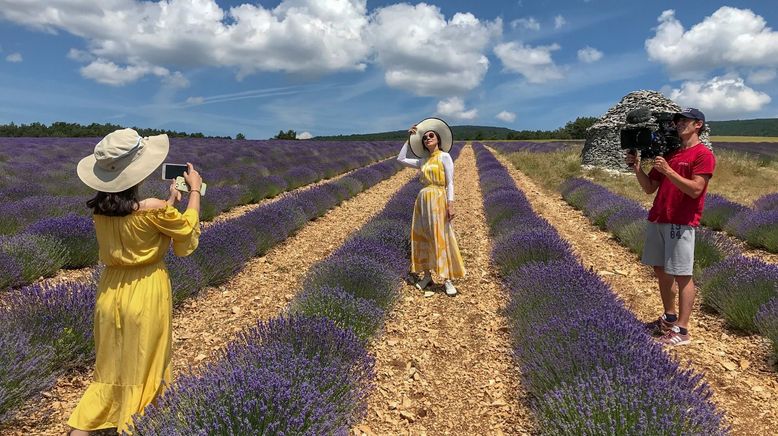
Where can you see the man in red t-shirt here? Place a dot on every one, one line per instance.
(680, 180)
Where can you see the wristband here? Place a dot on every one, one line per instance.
(195, 190)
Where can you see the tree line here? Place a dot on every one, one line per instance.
(75, 130)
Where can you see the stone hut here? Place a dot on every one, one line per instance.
(603, 145)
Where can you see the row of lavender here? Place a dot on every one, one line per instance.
(54, 242)
(37, 175)
(764, 150)
(757, 225)
(528, 146)
(585, 358)
(743, 289)
(306, 372)
(47, 330)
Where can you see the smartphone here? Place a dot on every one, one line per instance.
(171, 171)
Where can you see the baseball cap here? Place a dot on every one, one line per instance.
(692, 113)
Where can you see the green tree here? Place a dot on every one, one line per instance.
(240, 136)
(577, 129)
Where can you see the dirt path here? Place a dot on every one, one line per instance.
(261, 290)
(737, 367)
(444, 364)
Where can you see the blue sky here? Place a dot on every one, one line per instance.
(348, 66)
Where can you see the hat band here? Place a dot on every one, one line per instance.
(110, 163)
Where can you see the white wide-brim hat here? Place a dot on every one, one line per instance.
(438, 126)
(122, 160)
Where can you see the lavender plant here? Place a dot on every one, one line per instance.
(737, 287)
(766, 321)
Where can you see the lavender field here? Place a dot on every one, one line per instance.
(44, 222)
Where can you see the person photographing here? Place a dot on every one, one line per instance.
(133, 310)
(680, 181)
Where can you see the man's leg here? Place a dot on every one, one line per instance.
(687, 294)
(666, 289)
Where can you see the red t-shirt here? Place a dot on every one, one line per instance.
(671, 205)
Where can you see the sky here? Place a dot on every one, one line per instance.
(327, 67)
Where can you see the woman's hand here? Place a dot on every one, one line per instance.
(193, 178)
(412, 130)
(450, 214)
(175, 194)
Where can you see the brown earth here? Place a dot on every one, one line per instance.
(444, 363)
(737, 367)
(203, 325)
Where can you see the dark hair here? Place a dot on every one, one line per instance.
(436, 136)
(115, 203)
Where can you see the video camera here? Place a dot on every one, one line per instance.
(653, 133)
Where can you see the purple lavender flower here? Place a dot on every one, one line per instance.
(718, 211)
(286, 376)
(76, 233)
(38, 256)
(737, 287)
(536, 245)
(358, 275)
(766, 321)
(360, 315)
(767, 202)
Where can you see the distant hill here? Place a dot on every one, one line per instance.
(460, 133)
(757, 127)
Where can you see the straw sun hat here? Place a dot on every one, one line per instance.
(440, 127)
(122, 160)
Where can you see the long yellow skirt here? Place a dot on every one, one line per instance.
(133, 337)
(433, 243)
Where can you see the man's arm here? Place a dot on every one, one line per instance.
(692, 187)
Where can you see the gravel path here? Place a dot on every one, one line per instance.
(737, 367)
(444, 364)
(205, 324)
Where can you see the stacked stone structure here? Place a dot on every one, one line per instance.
(603, 145)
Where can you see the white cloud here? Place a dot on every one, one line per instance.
(425, 54)
(297, 36)
(589, 55)
(729, 38)
(176, 80)
(534, 63)
(305, 135)
(108, 73)
(80, 55)
(506, 116)
(195, 100)
(526, 23)
(14, 57)
(759, 77)
(455, 107)
(720, 96)
(559, 21)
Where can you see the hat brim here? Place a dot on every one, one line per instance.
(438, 126)
(154, 152)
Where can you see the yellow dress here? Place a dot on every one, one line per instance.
(133, 314)
(433, 243)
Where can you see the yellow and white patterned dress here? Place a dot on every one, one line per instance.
(433, 242)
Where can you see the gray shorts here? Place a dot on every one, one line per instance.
(670, 246)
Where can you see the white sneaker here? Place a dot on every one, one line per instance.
(450, 289)
(424, 282)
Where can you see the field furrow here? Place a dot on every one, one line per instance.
(259, 291)
(737, 367)
(444, 364)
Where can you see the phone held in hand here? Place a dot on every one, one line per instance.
(182, 186)
(172, 171)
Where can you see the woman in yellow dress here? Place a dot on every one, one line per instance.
(133, 313)
(433, 243)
